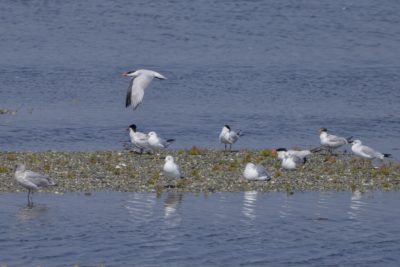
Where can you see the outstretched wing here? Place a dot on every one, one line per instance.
(136, 90)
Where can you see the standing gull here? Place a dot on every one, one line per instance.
(171, 169)
(139, 82)
(157, 143)
(31, 180)
(256, 172)
(138, 139)
(228, 136)
(332, 141)
(366, 152)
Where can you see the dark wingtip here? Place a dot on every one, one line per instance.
(281, 149)
(170, 140)
(387, 155)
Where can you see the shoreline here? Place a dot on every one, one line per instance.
(206, 170)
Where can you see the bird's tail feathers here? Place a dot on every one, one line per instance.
(169, 141)
(387, 155)
(240, 133)
(349, 139)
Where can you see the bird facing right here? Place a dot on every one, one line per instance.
(31, 180)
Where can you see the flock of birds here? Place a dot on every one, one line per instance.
(151, 142)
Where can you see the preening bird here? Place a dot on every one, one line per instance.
(139, 82)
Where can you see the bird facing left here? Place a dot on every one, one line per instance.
(31, 180)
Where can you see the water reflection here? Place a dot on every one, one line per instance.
(355, 205)
(171, 204)
(286, 206)
(30, 213)
(249, 204)
(141, 207)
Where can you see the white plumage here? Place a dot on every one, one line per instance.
(139, 82)
(366, 152)
(171, 169)
(31, 180)
(138, 139)
(255, 172)
(228, 136)
(157, 143)
(332, 141)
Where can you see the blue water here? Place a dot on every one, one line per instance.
(219, 229)
(279, 70)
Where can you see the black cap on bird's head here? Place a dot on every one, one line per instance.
(227, 126)
(323, 130)
(128, 72)
(133, 127)
(281, 149)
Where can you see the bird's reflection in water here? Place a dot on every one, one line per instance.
(171, 204)
(31, 213)
(249, 204)
(355, 205)
(286, 206)
(140, 207)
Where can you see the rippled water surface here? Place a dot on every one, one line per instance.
(279, 70)
(220, 229)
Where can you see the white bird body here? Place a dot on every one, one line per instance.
(170, 168)
(332, 141)
(366, 152)
(228, 136)
(138, 139)
(256, 172)
(139, 82)
(290, 162)
(31, 180)
(296, 153)
(157, 143)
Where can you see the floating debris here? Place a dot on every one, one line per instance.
(4, 111)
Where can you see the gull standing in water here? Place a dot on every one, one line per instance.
(332, 141)
(366, 152)
(138, 139)
(256, 172)
(228, 136)
(31, 180)
(139, 82)
(171, 169)
(157, 143)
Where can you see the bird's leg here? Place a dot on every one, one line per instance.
(225, 148)
(29, 201)
(230, 147)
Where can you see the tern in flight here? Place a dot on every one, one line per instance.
(139, 82)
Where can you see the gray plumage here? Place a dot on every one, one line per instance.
(31, 180)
